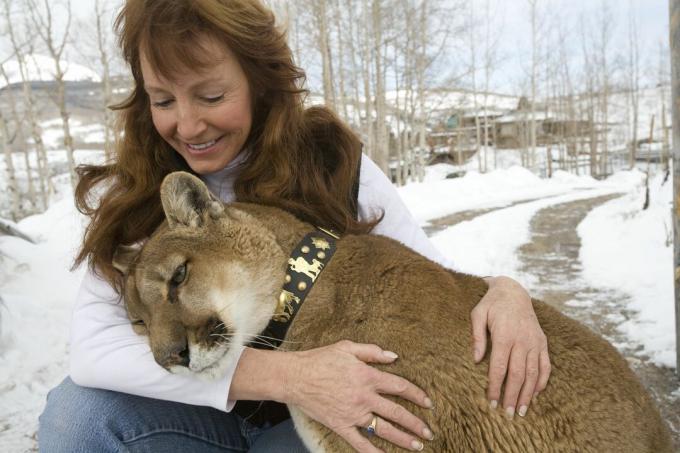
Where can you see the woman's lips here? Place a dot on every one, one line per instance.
(202, 151)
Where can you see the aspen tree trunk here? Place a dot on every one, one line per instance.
(421, 62)
(401, 161)
(534, 64)
(382, 151)
(367, 76)
(44, 178)
(605, 25)
(590, 102)
(106, 81)
(413, 97)
(634, 82)
(662, 94)
(320, 13)
(487, 80)
(342, 95)
(11, 184)
(45, 27)
(354, 67)
(18, 132)
(675, 82)
(473, 72)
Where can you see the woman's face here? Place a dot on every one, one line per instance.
(205, 115)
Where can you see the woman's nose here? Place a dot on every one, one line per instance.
(190, 123)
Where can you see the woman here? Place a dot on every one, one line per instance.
(216, 92)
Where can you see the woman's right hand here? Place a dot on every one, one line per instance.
(335, 386)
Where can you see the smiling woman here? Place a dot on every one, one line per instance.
(216, 93)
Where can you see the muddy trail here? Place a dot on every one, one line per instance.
(551, 259)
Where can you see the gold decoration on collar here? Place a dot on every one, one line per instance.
(284, 309)
(321, 243)
(302, 266)
(329, 232)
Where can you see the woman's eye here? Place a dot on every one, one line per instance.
(179, 275)
(213, 99)
(162, 104)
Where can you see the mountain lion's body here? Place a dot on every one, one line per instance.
(374, 290)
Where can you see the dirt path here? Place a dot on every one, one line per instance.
(552, 258)
(441, 223)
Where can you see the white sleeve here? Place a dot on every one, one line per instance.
(376, 194)
(106, 353)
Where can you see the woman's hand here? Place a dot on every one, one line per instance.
(335, 386)
(519, 348)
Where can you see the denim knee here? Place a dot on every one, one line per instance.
(80, 419)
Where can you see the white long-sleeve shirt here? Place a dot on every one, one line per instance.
(106, 353)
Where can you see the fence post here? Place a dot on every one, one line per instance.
(674, 15)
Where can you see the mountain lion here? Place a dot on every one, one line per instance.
(211, 277)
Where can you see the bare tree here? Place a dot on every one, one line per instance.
(381, 152)
(12, 138)
(21, 49)
(472, 26)
(590, 95)
(534, 69)
(323, 40)
(674, 15)
(43, 20)
(11, 183)
(103, 46)
(633, 72)
(490, 59)
(605, 25)
(662, 84)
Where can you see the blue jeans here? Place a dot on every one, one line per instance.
(80, 419)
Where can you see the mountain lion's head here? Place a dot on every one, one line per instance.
(205, 283)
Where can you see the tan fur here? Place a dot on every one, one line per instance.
(375, 290)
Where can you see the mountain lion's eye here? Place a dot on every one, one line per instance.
(179, 275)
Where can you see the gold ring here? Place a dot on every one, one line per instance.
(370, 429)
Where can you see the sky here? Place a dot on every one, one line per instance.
(511, 25)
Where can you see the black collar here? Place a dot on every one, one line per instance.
(306, 262)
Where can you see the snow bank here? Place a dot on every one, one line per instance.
(478, 191)
(631, 250)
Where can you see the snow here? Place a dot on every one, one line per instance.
(41, 68)
(631, 250)
(623, 248)
(38, 292)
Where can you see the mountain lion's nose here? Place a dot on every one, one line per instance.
(178, 355)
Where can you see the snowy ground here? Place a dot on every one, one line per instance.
(623, 247)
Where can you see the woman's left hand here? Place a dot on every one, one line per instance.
(519, 348)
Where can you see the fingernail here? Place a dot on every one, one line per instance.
(476, 354)
(510, 412)
(417, 445)
(390, 354)
(493, 404)
(428, 403)
(427, 434)
(522, 411)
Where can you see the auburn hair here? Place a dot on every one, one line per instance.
(302, 160)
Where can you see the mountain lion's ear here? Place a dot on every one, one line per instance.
(124, 256)
(187, 200)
